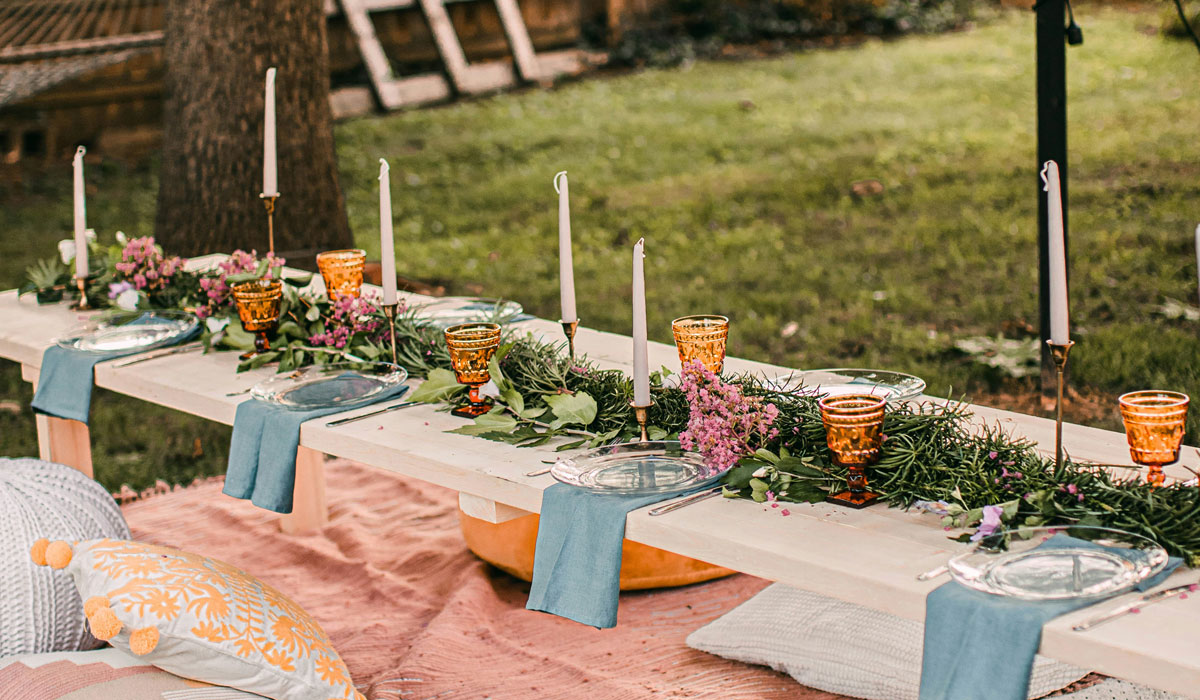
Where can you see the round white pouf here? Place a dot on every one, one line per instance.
(40, 609)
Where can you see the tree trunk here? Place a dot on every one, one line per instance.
(217, 55)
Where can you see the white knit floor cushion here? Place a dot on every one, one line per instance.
(40, 611)
(844, 648)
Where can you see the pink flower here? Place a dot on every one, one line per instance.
(723, 425)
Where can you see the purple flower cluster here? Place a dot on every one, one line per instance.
(217, 292)
(351, 316)
(144, 266)
(723, 425)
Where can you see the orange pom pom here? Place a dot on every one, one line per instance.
(104, 624)
(91, 605)
(38, 551)
(142, 641)
(58, 554)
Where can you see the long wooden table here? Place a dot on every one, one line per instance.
(869, 556)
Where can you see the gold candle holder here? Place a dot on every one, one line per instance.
(569, 328)
(82, 304)
(342, 271)
(1059, 353)
(642, 415)
(390, 311)
(268, 201)
(701, 338)
(258, 308)
(854, 433)
(1154, 425)
(472, 346)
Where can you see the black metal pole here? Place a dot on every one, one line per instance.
(1052, 145)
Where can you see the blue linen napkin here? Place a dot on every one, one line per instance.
(577, 563)
(262, 451)
(65, 382)
(981, 647)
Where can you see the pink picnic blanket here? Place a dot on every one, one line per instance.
(417, 616)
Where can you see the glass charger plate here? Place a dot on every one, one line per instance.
(656, 467)
(894, 386)
(129, 331)
(1048, 563)
(452, 311)
(337, 385)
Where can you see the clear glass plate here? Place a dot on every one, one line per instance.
(1055, 563)
(636, 469)
(452, 311)
(337, 385)
(129, 331)
(894, 386)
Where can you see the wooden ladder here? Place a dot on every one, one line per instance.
(394, 92)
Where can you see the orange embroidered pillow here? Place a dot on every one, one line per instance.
(200, 618)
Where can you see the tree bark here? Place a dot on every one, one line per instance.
(217, 55)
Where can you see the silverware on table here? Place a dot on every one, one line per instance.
(154, 354)
(351, 419)
(539, 472)
(933, 573)
(694, 498)
(1136, 606)
(239, 393)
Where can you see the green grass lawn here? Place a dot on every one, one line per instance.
(739, 175)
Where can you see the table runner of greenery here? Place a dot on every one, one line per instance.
(932, 451)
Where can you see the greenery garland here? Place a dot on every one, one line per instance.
(931, 453)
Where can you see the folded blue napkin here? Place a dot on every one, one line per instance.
(577, 563)
(262, 451)
(981, 647)
(64, 387)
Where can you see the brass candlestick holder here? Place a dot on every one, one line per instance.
(642, 414)
(390, 311)
(569, 328)
(1059, 354)
(81, 284)
(269, 203)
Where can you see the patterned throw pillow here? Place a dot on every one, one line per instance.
(200, 618)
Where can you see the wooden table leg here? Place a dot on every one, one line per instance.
(65, 441)
(59, 440)
(309, 511)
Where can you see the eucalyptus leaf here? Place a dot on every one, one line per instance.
(488, 423)
(572, 409)
(438, 386)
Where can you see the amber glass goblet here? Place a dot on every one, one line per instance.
(701, 338)
(342, 271)
(1154, 425)
(471, 348)
(258, 307)
(854, 433)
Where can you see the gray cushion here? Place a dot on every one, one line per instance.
(40, 610)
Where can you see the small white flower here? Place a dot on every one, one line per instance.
(760, 473)
(129, 299)
(66, 251)
(490, 390)
(122, 238)
(216, 325)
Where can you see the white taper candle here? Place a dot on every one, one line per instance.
(566, 266)
(387, 241)
(641, 361)
(1060, 333)
(81, 244)
(1198, 263)
(270, 178)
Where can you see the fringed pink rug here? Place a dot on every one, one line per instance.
(417, 617)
